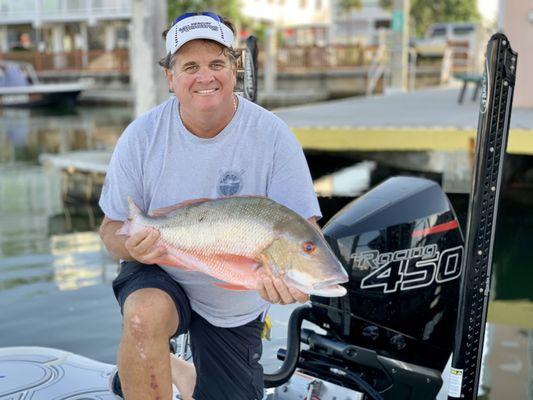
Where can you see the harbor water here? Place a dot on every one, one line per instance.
(55, 274)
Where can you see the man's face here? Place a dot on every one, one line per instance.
(202, 78)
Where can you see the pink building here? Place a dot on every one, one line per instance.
(516, 21)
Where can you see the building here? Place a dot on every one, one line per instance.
(359, 25)
(515, 19)
(93, 36)
(300, 22)
(64, 25)
(320, 22)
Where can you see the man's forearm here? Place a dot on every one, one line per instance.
(114, 243)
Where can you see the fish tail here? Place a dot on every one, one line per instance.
(134, 210)
(125, 229)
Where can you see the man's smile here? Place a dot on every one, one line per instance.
(206, 91)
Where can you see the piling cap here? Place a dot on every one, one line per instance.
(191, 26)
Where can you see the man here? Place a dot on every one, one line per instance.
(204, 142)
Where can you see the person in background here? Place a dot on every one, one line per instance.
(203, 142)
(24, 43)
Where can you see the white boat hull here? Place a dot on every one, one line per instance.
(40, 95)
(41, 373)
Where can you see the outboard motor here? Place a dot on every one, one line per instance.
(391, 335)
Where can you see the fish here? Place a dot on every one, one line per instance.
(231, 238)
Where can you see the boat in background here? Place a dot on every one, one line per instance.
(20, 87)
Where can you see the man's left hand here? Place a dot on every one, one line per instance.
(274, 290)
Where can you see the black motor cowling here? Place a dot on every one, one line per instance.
(402, 247)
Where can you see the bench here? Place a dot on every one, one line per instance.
(466, 78)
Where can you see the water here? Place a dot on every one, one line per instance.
(55, 274)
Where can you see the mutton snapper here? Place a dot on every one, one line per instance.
(230, 238)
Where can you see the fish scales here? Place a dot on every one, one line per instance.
(232, 228)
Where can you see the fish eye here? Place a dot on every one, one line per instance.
(309, 247)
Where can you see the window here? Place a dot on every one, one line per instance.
(382, 23)
(463, 30)
(439, 31)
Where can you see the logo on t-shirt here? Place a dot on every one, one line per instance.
(229, 183)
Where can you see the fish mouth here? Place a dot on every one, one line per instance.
(330, 291)
(330, 282)
(328, 288)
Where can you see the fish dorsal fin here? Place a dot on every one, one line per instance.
(167, 210)
(246, 196)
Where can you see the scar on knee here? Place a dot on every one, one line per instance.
(135, 321)
(136, 327)
(153, 383)
(155, 386)
(140, 347)
(138, 334)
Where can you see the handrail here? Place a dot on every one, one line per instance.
(376, 71)
(94, 61)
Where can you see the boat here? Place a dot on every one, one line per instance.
(20, 87)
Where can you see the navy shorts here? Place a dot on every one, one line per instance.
(226, 359)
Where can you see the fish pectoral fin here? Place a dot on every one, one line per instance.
(167, 210)
(176, 258)
(238, 262)
(271, 270)
(231, 286)
(171, 261)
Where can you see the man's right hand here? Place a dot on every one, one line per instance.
(143, 247)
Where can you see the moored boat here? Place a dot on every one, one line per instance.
(20, 87)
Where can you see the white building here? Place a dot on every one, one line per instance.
(320, 21)
(359, 25)
(64, 25)
(67, 25)
(302, 22)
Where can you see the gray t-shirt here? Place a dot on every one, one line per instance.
(158, 163)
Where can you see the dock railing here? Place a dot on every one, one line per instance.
(94, 61)
(371, 61)
(320, 58)
(290, 59)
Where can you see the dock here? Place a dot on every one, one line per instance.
(425, 130)
(82, 172)
(428, 119)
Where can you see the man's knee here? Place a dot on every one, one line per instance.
(149, 314)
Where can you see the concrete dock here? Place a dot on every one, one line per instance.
(429, 119)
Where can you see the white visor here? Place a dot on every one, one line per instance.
(197, 27)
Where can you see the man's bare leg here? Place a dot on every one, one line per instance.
(150, 319)
(183, 376)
